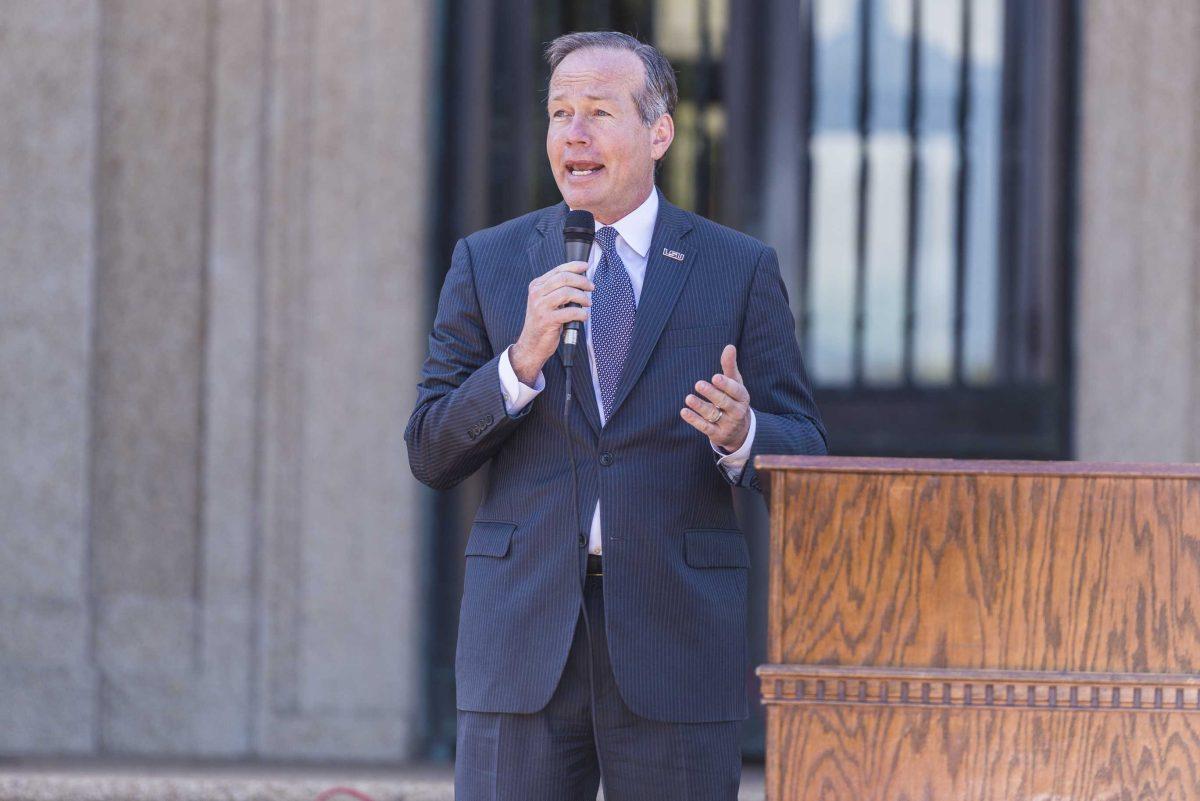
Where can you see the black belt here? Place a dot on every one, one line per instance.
(594, 567)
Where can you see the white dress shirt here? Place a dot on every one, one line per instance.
(634, 231)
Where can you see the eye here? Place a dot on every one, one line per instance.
(601, 111)
(559, 113)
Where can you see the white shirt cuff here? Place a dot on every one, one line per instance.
(516, 394)
(734, 463)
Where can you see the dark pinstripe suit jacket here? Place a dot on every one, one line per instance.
(675, 562)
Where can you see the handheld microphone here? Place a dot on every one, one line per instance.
(578, 233)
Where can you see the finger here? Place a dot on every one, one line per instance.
(568, 313)
(570, 267)
(567, 294)
(715, 396)
(550, 282)
(696, 421)
(732, 388)
(570, 279)
(729, 363)
(703, 408)
(555, 276)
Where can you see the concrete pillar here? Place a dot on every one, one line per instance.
(214, 228)
(47, 272)
(232, 360)
(343, 339)
(1137, 335)
(147, 538)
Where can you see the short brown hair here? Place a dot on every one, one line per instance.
(658, 96)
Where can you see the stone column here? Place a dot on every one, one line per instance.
(342, 344)
(213, 227)
(146, 533)
(1137, 331)
(47, 276)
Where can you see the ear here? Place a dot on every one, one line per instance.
(662, 133)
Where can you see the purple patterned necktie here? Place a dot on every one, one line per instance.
(613, 310)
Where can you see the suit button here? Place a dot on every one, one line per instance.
(606, 458)
(489, 420)
(582, 539)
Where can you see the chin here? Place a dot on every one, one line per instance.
(582, 200)
(587, 197)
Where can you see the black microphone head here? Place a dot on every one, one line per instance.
(580, 227)
(578, 232)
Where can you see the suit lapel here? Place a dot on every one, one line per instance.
(664, 280)
(546, 246)
(547, 252)
(660, 289)
(581, 383)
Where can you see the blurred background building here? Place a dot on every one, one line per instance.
(224, 225)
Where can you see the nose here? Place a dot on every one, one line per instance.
(577, 130)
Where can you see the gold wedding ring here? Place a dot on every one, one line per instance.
(720, 412)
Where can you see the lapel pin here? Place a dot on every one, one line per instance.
(673, 254)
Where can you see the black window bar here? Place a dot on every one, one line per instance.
(745, 158)
(1019, 408)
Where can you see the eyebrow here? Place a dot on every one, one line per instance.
(560, 95)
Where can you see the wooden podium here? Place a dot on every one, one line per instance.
(1000, 630)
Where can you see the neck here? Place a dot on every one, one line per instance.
(608, 216)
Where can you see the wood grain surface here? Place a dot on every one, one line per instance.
(983, 630)
(902, 754)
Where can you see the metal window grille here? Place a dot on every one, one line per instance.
(909, 160)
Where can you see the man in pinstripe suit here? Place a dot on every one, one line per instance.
(607, 638)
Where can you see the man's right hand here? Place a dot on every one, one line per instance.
(545, 314)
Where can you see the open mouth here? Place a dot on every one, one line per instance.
(581, 169)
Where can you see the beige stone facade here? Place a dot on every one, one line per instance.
(1137, 292)
(212, 238)
(214, 220)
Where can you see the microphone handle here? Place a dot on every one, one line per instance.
(576, 251)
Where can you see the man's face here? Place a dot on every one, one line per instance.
(601, 152)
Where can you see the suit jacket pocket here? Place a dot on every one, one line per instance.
(715, 547)
(694, 335)
(489, 538)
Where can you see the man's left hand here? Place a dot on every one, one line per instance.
(726, 400)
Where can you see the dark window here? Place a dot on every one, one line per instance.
(908, 159)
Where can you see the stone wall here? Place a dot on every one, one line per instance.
(1137, 296)
(212, 233)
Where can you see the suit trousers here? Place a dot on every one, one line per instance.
(586, 733)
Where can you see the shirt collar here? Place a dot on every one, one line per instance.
(637, 227)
